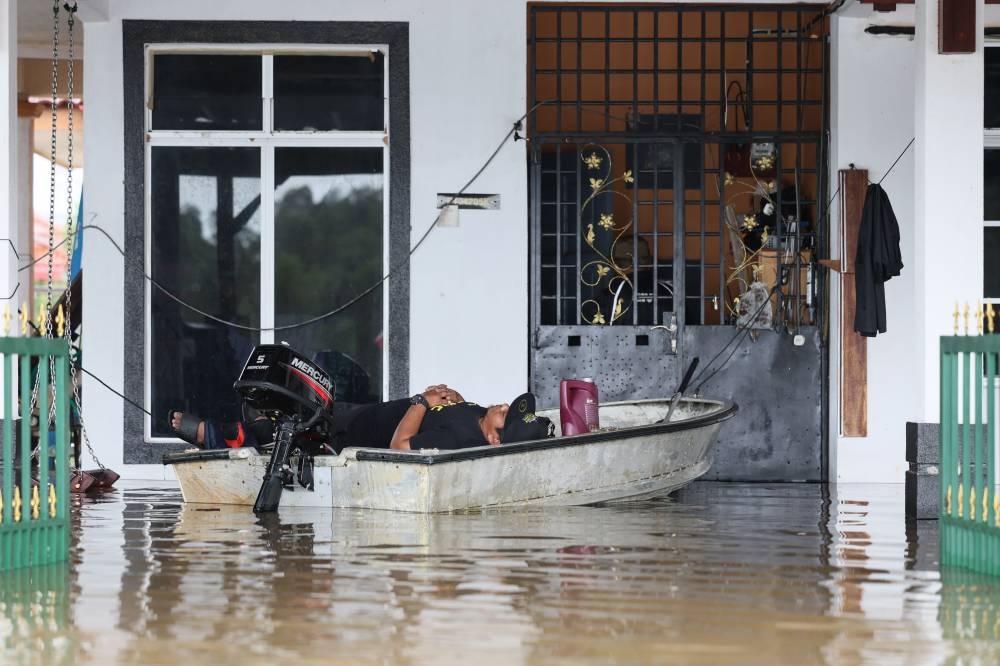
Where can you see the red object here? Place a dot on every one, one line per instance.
(237, 441)
(578, 405)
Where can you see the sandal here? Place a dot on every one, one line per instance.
(188, 430)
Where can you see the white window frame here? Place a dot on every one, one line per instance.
(267, 139)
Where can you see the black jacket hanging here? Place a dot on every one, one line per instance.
(878, 259)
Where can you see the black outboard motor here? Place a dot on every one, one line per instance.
(281, 383)
(285, 386)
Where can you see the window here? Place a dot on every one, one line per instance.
(991, 175)
(267, 207)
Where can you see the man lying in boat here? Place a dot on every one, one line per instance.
(438, 418)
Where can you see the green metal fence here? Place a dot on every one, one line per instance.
(970, 506)
(34, 520)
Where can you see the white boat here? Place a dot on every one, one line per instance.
(637, 454)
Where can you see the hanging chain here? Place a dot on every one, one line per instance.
(71, 234)
(52, 198)
(52, 162)
(70, 229)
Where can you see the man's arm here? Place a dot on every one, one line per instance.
(409, 425)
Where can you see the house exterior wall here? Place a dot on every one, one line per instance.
(468, 301)
(468, 295)
(885, 91)
(871, 120)
(9, 167)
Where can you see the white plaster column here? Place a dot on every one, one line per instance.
(21, 230)
(10, 161)
(948, 190)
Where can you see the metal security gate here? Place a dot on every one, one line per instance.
(609, 297)
(34, 519)
(677, 158)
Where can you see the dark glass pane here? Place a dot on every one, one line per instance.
(549, 312)
(568, 316)
(568, 220)
(991, 262)
(569, 279)
(328, 250)
(548, 249)
(205, 249)
(991, 106)
(991, 184)
(323, 93)
(207, 92)
(548, 218)
(548, 187)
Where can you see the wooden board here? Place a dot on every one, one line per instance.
(853, 347)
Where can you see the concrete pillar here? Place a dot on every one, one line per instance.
(23, 233)
(948, 189)
(10, 161)
(9, 293)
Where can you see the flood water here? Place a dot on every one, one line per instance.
(718, 574)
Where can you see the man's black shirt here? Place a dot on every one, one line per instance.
(450, 427)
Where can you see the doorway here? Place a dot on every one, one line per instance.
(677, 159)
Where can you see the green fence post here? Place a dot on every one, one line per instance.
(991, 418)
(24, 441)
(62, 453)
(7, 517)
(978, 483)
(944, 446)
(44, 368)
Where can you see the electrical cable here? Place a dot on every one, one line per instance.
(42, 257)
(737, 337)
(742, 332)
(889, 170)
(341, 308)
(741, 335)
(120, 395)
(392, 271)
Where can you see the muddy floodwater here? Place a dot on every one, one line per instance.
(717, 574)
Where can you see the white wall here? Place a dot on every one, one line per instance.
(468, 325)
(11, 160)
(467, 86)
(949, 190)
(872, 120)
(886, 90)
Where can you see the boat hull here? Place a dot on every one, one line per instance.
(643, 459)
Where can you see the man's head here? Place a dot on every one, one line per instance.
(522, 424)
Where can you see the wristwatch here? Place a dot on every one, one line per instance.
(419, 399)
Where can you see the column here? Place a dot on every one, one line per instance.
(9, 163)
(948, 191)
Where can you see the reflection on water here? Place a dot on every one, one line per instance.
(721, 573)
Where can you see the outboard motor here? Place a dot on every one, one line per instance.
(281, 383)
(285, 386)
